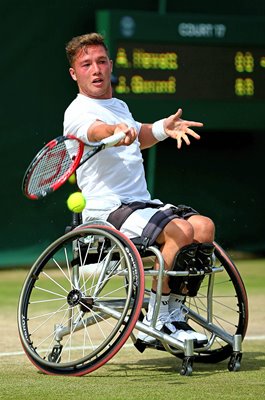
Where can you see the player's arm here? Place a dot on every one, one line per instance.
(172, 126)
(146, 137)
(100, 130)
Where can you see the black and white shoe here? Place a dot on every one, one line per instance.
(177, 318)
(180, 331)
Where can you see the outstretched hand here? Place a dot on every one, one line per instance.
(179, 129)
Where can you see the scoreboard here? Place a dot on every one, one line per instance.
(189, 72)
(211, 66)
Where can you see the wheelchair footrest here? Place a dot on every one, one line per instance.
(140, 345)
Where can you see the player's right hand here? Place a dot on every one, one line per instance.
(131, 134)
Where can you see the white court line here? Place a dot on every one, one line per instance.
(21, 353)
(258, 337)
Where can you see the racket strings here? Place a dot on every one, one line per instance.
(52, 167)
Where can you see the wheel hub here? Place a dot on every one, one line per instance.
(74, 297)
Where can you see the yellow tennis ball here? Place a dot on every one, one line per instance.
(72, 179)
(76, 202)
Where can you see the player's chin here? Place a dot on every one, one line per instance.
(101, 91)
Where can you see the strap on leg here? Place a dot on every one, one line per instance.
(191, 258)
(204, 256)
(184, 261)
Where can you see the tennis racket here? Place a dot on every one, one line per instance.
(57, 161)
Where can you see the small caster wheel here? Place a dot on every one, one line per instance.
(234, 363)
(55, 355)
(186, 369)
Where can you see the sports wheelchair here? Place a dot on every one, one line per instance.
(88, 292)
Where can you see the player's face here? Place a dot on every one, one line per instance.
(92, 71)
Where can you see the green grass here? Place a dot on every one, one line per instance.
(10, 287)
(253, 272)
(131, 375)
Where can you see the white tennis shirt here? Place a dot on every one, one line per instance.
(115, 175)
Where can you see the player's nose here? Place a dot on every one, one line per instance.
(96, 68)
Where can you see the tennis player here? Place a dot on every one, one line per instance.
(115, 188)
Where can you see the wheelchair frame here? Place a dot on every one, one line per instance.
(87, 294)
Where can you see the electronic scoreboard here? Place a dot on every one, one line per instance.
(211, 66)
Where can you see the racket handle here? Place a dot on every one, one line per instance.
(114, 139)
(76, 219)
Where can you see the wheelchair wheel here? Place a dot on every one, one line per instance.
(81, 300)
(228, 307)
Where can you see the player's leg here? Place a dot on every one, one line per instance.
(177, 234)
(204, 229)
(195, 257)
(192, 257)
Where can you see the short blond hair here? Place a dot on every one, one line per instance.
(78, 43)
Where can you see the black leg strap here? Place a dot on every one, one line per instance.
(192, 258)
(204, 256)
(185, 260)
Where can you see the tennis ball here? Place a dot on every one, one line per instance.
(76, 202)
(72, 179)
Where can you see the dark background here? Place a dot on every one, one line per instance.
(221, 176)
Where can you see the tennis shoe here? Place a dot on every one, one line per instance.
(164, 325)
(177, 318)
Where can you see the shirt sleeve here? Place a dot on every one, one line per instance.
(78, 125)
(80, 115)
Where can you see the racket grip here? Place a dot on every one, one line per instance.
(114, 139)
(76, 219)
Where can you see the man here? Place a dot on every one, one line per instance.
(114, 184)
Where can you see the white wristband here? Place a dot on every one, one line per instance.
(158, 130)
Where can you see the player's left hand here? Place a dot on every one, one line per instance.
(179, 129)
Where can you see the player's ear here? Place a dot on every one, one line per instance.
(72, 73)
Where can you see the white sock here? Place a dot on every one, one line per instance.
(163, 306)
(175, 301)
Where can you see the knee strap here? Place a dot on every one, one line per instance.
(185, 260)
(191, 258)
(204, 256)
